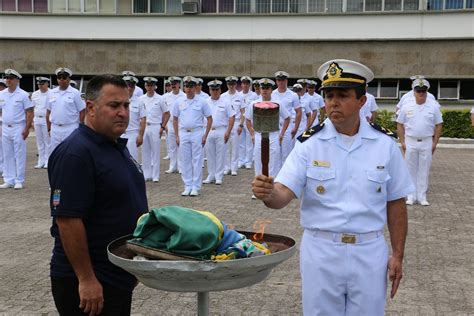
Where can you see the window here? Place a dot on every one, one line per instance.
(24, 6)
(58, 6)
(157, 6)
(279, 6)
(393, 5)
(297, 6)
(388, 89)
(373, 5)
(208, 6)
(40, 5)
(334, 5)
(226, 6)
(107, 6)
(355, 5)
(435, 4)
(173, 6)
(8, 5)
(448, 89)
(410, 5)
(466, 90)
(316, 5)
(242, 6)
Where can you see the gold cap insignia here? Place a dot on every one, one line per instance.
(320, 189)
(334, 71)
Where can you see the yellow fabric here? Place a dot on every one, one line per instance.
(261, 247)
(342, 80)
(215, 220)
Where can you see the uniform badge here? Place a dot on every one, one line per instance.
(321, 163)
(56, 197)
(334, 71)
(136, 164)
(320, 189)
(379, 189)
(380, 167)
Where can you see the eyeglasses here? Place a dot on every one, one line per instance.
(62, 77)
(189, 85)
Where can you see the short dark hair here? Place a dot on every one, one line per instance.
(97, 82)
(360, 91)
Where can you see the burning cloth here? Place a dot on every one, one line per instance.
(193, 233)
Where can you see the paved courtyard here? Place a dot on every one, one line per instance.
(439, 262)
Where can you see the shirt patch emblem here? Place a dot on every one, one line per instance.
(136, 164)
(320, 189)
(56, 197)
(321, 163)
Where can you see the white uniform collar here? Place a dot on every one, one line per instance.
(329, 131)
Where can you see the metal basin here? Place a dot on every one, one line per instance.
(202, 276)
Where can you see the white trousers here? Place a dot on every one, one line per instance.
(343, 279)
(274, 164)
(216, 149)
(287, 144)
(418, 157)
(232, 156)
(14, 153)
(172, 148)
(190, 153)
(246, 148)
(60, 133)
(132, 143)
(42, 143)
(151, 152)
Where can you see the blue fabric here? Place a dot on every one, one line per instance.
(96, 180)
(230, 237)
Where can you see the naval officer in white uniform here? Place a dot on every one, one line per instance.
(137, 122)
(223, 118)
(188, 114)
(352, 180)
(17, 114)
(419, 125)
(157, 116)
(39, 99)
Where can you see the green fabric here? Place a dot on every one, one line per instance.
(178, 230)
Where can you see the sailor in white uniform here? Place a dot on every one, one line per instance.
(17, 114)
(65, 109)
(223, 118)
(137, 121)
(39, 99)
(157, 116)
(246, 144)
(188, 114)
(419, 125)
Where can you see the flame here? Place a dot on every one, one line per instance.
(259, 227)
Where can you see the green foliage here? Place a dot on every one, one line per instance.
(386, 119)
(456, 123)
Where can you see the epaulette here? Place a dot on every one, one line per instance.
(310, 132)
(384, 130)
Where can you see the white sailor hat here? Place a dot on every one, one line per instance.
(42, 79)
(73, 83)
(256, 83)
(2, 81)
(12, 72)
(311, 83)
(130, 79)
(151, 80)
(63, 70)
(231, 79)
(246, 78)
(420, 84)
(265, 83)
(414, 77)
(167, 82)
(297, 87)
(281, 75)
(344, 73)
(302, 82)
(174, 79)
(199, 81)
(190, 80)
(214, 84)
(128, 73)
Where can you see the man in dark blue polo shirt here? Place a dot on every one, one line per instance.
(97, 195)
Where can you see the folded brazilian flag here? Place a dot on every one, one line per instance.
(180, 230)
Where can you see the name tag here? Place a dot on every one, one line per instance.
(321, 163)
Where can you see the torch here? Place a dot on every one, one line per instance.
(266, 119)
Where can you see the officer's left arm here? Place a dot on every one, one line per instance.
(299, 114)
(437, 135)
(208, 128)
(284, 113)
(141, 131)
(397, 222)
(29, 113)
(164, 121)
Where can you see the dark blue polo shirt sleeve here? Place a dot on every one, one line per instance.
(72, 187)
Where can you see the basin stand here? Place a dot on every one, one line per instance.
(203, 303)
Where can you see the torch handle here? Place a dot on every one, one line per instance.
(265, 153)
